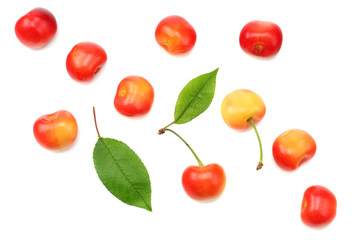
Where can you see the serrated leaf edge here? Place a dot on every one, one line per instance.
(149, 208)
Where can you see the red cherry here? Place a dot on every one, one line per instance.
(201, 183)
(85, 60)
(318, 206)
(204, 183)
(36, 28)
(261, 38)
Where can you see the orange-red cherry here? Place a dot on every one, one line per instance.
(293, 148)
(175, 34)
(134, 96)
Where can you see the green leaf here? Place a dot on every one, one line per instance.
(122, 172)
(195, 97)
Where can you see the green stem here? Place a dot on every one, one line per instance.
(197, 158)
(260, 164)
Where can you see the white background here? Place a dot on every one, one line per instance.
(311, 84)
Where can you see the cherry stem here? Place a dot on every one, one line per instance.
(197, 158)
(97, 130)
(260, 164)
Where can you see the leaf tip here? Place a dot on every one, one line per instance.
(213, 74)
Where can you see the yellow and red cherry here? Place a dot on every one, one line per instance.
(241, 109)
(56, 131)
